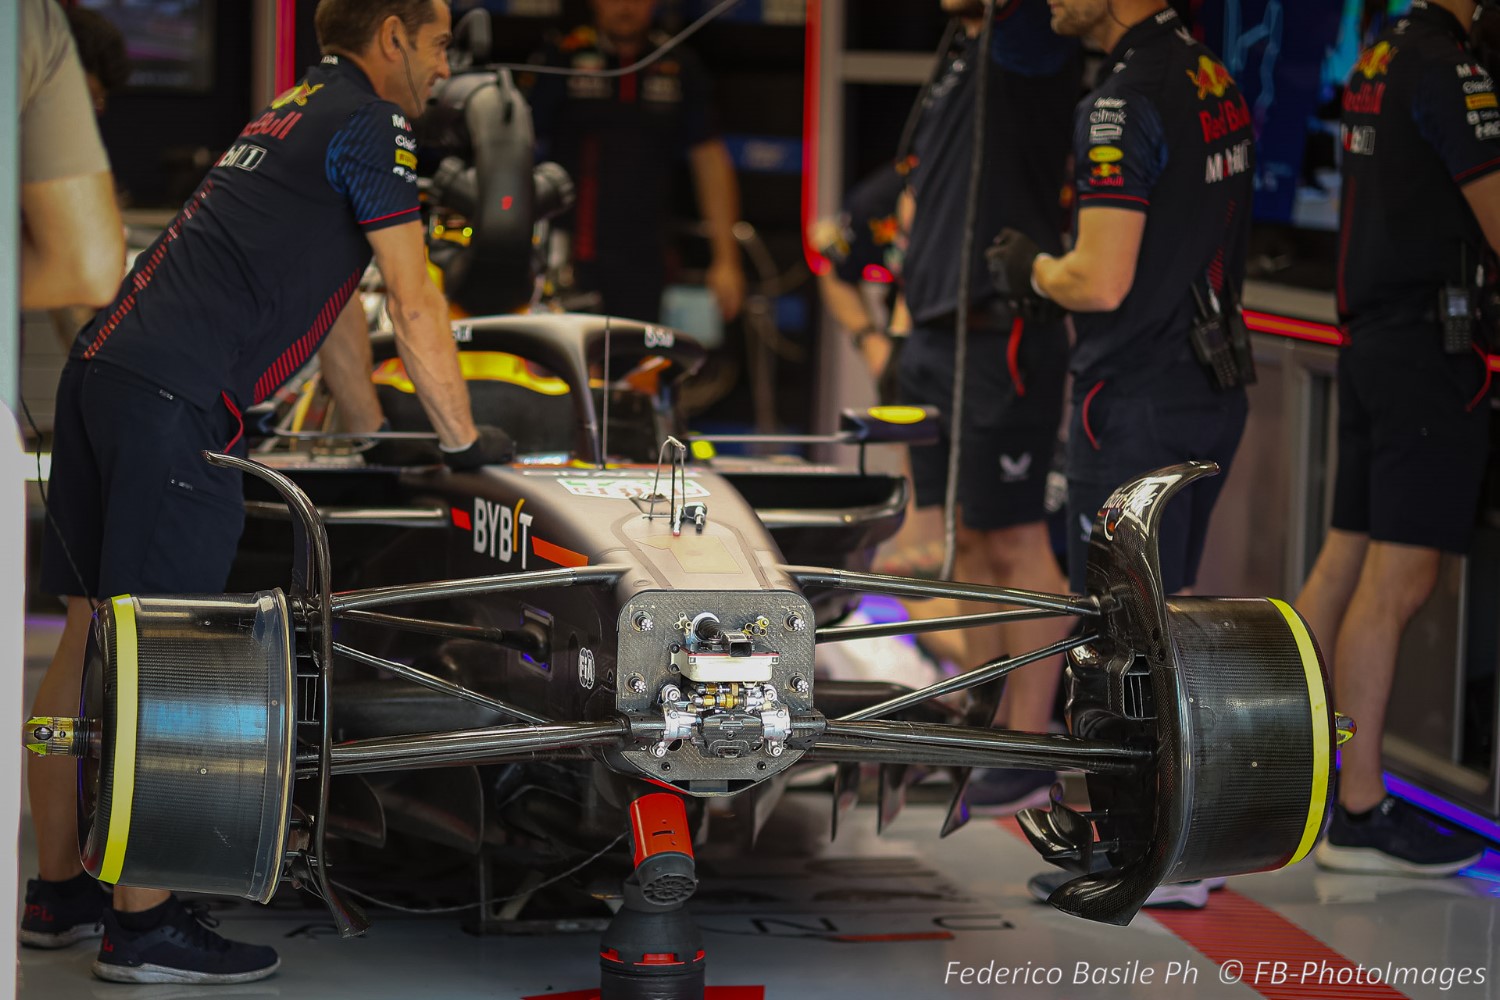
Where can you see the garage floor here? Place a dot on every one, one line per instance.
(905, 916)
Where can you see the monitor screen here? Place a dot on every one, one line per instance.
(170, 42)
(1290, 59)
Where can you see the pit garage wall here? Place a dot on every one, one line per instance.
(12, 499)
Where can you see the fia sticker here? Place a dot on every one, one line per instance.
(586, 668)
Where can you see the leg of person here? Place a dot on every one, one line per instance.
(171, 523)
(1429, 445)
(1010, 435)
(1326, 594)
(64, 905)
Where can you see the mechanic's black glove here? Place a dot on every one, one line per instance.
(492, 447)
(401, 453)
(1011, 257)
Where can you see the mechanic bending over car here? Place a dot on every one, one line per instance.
(1164, 160)
(257, 272)
(1017, 364)
(1414, 415)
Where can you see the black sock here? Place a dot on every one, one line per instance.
(1360, 817)
(79, 885)
(144, 920)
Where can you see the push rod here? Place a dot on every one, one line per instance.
(873, 630)
(521, 640)
(962, 682)
(875, 583)
(470, 746)
(375, 597)
(432, 683)
(973, 746)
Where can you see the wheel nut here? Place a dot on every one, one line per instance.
(636, 683)
(794, 622)
(800, 685)
(643, 622)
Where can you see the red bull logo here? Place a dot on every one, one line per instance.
(1375, 61)
(1106, 175)
(1210, 78)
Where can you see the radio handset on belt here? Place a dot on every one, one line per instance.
(1456, 310)
(1220, 339)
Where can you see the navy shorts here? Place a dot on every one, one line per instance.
(1414, 436)
(1013, 402)
(1117, 435)
(133, 506)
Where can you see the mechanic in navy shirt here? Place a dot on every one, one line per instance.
(1421, 131)
(1164, 155)
(864, 243)
(623, 140)
(1016, 365)
(257, 272)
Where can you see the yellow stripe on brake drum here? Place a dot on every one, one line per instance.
(1317, 693)
(898, 414)
(127, 713)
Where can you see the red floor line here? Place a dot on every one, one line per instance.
(1235, 928)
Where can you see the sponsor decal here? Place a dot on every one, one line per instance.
(1105, 133)
(406, 142)
(1110, 102)
(1210, 78)
(1468, 71)
(1364, 99)
(658, 336)
(406, 159)
(662, 89)
(1106, 154)
(586, 668)
(1231, 117)
(501, 532)
(1230, 163)
(1489, 130)
(400, 122)
(1359, 140)
(408, 176)
(277, 127)
(1375, 61)
(1015, 470)
(883, 232)
(298, 95)
(243, 156)
(1101, 116)
(1483, 86)
(624, 489)
(1475, 102)
(588, 60)
(1106, 175)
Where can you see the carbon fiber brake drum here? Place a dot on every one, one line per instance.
(190, 787)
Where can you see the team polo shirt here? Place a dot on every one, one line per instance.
(1165, 133)
(241, 288)
(623, 140)
(1033, 82)
(1420, 120)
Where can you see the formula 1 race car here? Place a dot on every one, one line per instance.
(607, 634)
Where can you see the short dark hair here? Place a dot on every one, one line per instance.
(101, 47)
(348, 26)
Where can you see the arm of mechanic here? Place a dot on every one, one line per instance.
(1483, 196)
(345, 360)
(719, 202)
(1099, 272)
(423, 337)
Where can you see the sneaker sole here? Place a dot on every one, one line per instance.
(60, 939)
(165, 974)
(1031, 800)
(1370, 861)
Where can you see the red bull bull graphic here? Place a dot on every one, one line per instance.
(1375, 61)
(1210, 78)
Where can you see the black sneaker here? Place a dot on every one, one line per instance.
(1396, 838)
(1005, 791)
(62, 913)
(181, 949)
